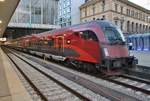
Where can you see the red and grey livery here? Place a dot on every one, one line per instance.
(93, 45)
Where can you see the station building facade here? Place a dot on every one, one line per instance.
(130, 17)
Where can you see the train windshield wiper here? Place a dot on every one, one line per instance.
(117, 41)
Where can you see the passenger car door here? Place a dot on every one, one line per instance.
(60, 44)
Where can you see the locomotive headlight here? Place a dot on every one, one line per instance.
(106, 52)
(68, 41)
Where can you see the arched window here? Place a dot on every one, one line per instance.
(140, 29)
(146, 29)
(143, 28)
(132, 27)
(136, 28)
(128, 26)
(121, 26)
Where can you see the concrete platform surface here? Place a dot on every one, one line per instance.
(11, 88)
(142, 56)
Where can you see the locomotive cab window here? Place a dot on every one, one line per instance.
(113, 35)
(88, 35)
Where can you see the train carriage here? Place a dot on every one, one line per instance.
(140, 42)
(146, 39)
(93, 45)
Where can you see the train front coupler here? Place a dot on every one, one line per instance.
(131, 62)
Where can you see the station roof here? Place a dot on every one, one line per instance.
(7, 9)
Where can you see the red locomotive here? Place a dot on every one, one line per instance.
(93, 45)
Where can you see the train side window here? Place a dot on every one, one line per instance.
(51, 42)
(135, 43)
(76, 33)
(45, 42)
(146, 42)
(29, 44)
(89, 35)
(140, 43)
(129, 40)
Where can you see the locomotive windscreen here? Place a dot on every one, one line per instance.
(112, 33)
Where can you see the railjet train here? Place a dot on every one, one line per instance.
(96, 45)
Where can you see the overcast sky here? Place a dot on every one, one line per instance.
(143, 3)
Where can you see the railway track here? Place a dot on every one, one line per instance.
(46, 87)
(110, 94)
(132, 83)
(139, 71)
(135, 78)
(144, 68)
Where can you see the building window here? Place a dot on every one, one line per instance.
(121, 10)
(140, 16)
(143, 17)
(143, 28)
(116, 7)
(103, 17)
(103, 5)
(132, 13)
(140, 29)
(132, 26)
(121, 25)
(136, 28)
(103, 2)
(146, 18)
(116, 23)
(64, 24)
(37, 11)
(146, 29)
(128, 26)
(93, 9)
(127, 11)
(136, 15)
(85, 12)
(69, 23)
(61, 25)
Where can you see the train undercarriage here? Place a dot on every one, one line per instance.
(108, 67)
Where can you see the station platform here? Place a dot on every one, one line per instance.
(142, 56)
(11, 88)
